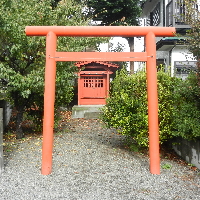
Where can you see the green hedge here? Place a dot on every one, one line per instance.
(179, 102)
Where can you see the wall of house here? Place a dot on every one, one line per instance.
(163, 55)
(149, 6)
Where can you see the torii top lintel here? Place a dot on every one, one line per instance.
(100, 31)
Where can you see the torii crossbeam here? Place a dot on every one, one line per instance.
(52, 56)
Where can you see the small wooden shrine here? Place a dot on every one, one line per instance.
(94, 82)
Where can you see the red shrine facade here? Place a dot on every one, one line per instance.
(94, 82)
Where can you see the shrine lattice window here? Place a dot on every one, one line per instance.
(93, 81)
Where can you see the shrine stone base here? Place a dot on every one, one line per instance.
(86, 111)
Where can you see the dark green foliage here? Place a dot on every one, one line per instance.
(191, 17)
(187, 121)
(126, 108)
(179, 113)
(114, 12)
(22, 58)
(167, 99)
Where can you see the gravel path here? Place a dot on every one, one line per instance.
(90, 163)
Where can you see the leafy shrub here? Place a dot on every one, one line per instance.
(127, 111)
(187, 116)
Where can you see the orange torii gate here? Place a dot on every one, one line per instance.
(52, 56)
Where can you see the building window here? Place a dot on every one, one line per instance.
(183, 68)
(155, 16)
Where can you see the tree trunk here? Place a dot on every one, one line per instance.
(19, 120)
(19, 104)
(131, 45)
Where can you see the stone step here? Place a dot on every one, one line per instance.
(86, 111)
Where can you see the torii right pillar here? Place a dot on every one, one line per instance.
(152, 94)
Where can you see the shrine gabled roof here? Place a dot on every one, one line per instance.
(107, 64)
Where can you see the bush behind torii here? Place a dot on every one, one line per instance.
(179, 107)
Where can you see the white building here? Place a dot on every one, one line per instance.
(171, 51)
(138, 46)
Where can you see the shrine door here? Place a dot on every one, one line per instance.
(93, 90)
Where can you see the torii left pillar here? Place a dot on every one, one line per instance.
(49, 98)
(51, 33)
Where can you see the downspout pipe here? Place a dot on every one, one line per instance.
(170, 58)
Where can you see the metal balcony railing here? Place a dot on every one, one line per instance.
(175, 14)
